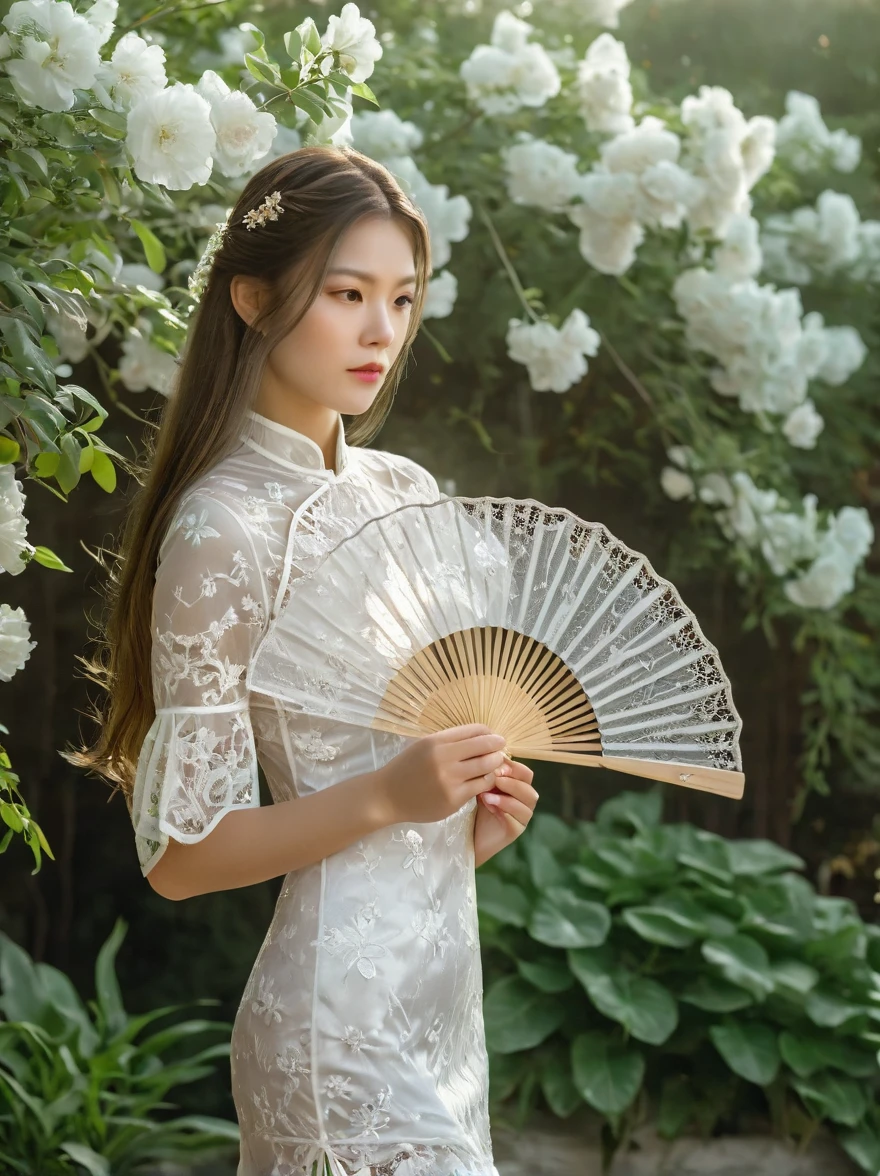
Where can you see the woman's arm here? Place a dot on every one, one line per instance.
(252, 845)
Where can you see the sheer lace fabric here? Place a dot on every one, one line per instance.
(359, 1039)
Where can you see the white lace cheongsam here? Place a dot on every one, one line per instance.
(358, 1046)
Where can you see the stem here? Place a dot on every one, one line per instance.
(627, 372)
(506, 262)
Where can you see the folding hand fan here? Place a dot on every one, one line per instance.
(510, 613)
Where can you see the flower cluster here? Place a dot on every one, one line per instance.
(511, 71)
(804, 141)
(554, 358)
(824, 242)
(767, 349)
(788, 540)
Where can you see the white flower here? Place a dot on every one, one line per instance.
(604, 92)
(15, 648)
(511, 72)
(540, 174)
(609, 231)
(676, 484)
(13, 523)
(102, 16)
(448, 216)
(805, 141)
(382, 134)
(554, 358)
(739, 254)
(143, 365)
(70, 335)
(244, 134)
(135, 70)
(680, 455)
(823, 584)
(852, 531)
(441, 295)
(601, 12)
(59, 52)
(353, 37)
(715, 490)
(727, 152)
(845, 354)
(803, 425)
(789, 538)
(171, 137)
(821, 240)
(867, 267)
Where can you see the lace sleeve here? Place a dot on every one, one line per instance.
(198, 760)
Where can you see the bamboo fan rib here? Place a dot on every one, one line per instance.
(513, 614)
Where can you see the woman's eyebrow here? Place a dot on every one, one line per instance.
(368, 277)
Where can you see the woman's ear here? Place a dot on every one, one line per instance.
(248, 295)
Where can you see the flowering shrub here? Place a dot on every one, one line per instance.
(676, 245)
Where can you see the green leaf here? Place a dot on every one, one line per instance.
(657, 927)
(517, 1016)
(154, 250)
(863, 1146)
(807, 1053)
(749, 1048)
(563, 919)
(94, 1164)
(715, 995)
(607, 1074)
(549, 974)
(104, 472)
(676, 1107)
(10, 450)
(502, 900)
(631, 810)
(557, 1086)
(545, 870)
(293, 45)
(363, 91)
(742, 961)
(794, 975)
(107, 988)
(645, 1008)
(782, 908)
(750, 858)
(831, 1096)
(827, 1008)
(48, 558)
(263, 71)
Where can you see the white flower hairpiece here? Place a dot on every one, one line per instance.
(270, 209)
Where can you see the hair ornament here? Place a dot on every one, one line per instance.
(270, 209)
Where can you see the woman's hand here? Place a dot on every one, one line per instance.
(504, 810)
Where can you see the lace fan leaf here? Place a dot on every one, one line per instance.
(507, 612)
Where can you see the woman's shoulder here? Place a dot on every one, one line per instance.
(406, 471)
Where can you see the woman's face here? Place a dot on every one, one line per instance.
(357, 318)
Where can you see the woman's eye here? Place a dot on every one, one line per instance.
(352, 291)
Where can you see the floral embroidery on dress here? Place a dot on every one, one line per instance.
(431, 926)
(266, 1003)
(312, 746)
(355, 943)
(292, 1065)
(416, 858)
(195, 529)
(371, 1115)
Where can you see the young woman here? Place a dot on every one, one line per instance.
(358, 1046)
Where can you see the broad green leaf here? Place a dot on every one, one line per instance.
(781, 907)
(843, 1100)
(808, 1053)
(502, 900)
(715, 995)
(631, 810)
(549, 974)
(753, 857)
(607, 1074)
(545, 870)
(749, 1048)
(742, 961)
(645, 1008)
(794, 975)
(676, 1107)
(562, 919)
(827, 1008)
(708, 855)
(863, 1146)
(10, 450)
(558, 1085)
(517, 1016)
(657, 927)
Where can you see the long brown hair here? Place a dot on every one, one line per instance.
(325, 189)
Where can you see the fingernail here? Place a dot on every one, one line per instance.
(491, 798)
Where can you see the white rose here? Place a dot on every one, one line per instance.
(171, 138)
(59, 52)
(15, 648)
(13, 523)
(353, 37)
(676, 484)
(803, 425)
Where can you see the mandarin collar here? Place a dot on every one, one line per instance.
(290, 448)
